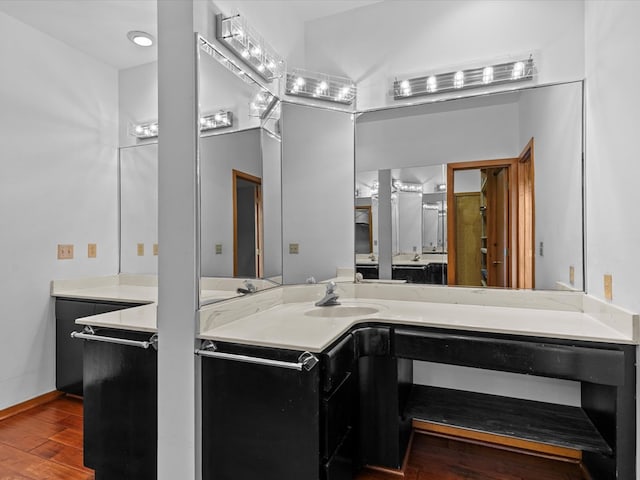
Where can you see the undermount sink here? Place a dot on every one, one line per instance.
(341, 311)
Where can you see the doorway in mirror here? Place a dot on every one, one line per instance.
(247, 225)
(491, 229)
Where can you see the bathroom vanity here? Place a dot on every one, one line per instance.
(295, 418)
(319, 392)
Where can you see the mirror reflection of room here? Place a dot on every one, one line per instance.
(528, 141)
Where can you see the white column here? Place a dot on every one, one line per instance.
(177, 227)
(385, 228)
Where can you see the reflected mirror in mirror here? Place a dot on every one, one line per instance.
(504, 208)
(240, 191)
(417, 230)
(240, 178)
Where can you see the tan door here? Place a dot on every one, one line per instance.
(498, 220)
(468, 232)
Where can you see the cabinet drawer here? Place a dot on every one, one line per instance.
(337, 415)
(337, 362)
(340, 465)
(596, 365)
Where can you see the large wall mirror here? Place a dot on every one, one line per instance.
(240, 190)
(481, 191)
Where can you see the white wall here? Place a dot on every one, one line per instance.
(219, 155)
(377, 43)
(437, 134)
(272, 204)
(409, 222)
(317, 192)
(138, 208)
(553, 118)
(137, 100)
(613, 103)
(57, 185)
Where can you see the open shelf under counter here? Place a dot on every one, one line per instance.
(544, 423)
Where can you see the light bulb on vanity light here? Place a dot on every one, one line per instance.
(458, 79)
(432, 84)
(518, 70)
(487, 75)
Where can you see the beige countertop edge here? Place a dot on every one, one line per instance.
(318, 347)
(139, 319)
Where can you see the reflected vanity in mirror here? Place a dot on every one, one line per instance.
(487, 190)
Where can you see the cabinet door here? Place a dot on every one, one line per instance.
(68, 350)
(120, 408)
(259, 422)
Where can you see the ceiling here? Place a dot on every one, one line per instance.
(99, 27)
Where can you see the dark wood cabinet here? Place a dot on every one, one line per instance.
(120, 407)
(68, 350)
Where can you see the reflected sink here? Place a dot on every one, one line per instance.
(341, 311)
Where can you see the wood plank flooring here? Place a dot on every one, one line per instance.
(436, 458)
(44, 443)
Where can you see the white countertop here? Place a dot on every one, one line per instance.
(279, 317)
(137, 289)
(284, 321)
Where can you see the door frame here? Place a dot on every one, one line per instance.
(526, 233)
(511, 164)
(368, 208)
(235, 175)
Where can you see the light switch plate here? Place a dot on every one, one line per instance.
(218, 249)
(65, 252)
(92, 250)
(155, 249)
(608, 286)
(294, 248)
(141, 249)
(572, 275)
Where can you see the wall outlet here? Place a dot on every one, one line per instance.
(92, 250)
(155, 249)
(141, 249)
(65, 252)
(218, 249)
(572, 275)
(608, 286)
(294, 248)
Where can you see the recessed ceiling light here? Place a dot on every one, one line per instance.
(142, 39)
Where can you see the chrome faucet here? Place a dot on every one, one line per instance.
(330, 297)
(249, 288)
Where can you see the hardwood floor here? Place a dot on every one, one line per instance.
(44, 443)
(436, 458)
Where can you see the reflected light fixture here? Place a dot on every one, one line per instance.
(262, 104)
(514, 71)
(220, 119)
(321, 86)
(142, 39)
(237, 35)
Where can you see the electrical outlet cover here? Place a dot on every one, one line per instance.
(92, 250)
(65, 252)
(141, 249)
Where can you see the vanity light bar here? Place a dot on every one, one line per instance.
(321, 86)
(515, 71)
(262, 104)
(221, 119)
(145, 130)
(236, 34)
(407, 187)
